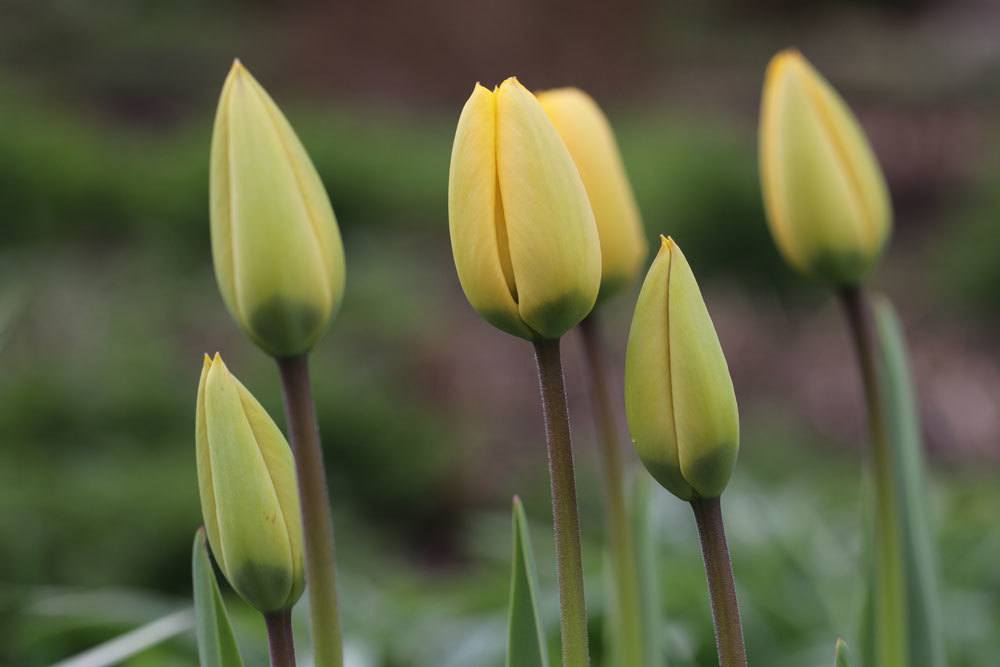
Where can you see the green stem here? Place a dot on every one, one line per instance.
(627, 614)
(279, 638)
(721, 587)
(317, 522)
(890, 594)
(566, 523)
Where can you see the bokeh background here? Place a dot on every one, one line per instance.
(429, 416)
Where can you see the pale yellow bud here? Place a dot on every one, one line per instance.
(591, 141)
(522, 230)
(825, 195)
(679, 396)
(276, 247)
(249, 495)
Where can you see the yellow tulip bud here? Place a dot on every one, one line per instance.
(522, 230)
(679, 397)
(591, 142)
(277, 251)
(249, 496)
(825, 195)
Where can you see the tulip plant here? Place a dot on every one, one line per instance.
(544, 227)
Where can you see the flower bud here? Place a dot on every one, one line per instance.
(522, 230)
(591, 142)
(824, 192)
(276, 248)
(249, 496)
(679, 397)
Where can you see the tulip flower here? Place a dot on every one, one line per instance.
(522, 231)
(277, 251)
(591, 142)
(249, 497)
(824, 192)
(679, 397)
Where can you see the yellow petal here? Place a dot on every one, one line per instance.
(478, 231)
(649, 401)
(704, 403)
(588, 135)
(552, 236)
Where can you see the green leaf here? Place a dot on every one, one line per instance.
(649, 585)
(216, 643)
(526, 638)
(926, 640)
(841, 656)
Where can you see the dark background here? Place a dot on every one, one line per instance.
(429, 416)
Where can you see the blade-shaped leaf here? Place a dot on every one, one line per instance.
(649, 585)
(526, 638)
(926, 642)
(216, 643)
(841, 656)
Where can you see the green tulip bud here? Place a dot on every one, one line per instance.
(824, 192)
(277, 251)
(249, 496)
(679, 397)
(522, 231)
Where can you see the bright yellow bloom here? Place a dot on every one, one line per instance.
(275, 243)
(590, 140)
(825, 195)
(679, 396)
(249, 496)
(522, 230)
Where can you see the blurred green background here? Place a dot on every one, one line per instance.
(429, 416)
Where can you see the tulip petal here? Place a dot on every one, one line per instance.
(204, 460)
(554, 247)
(649, 398)
(476, 221)
(706, 418)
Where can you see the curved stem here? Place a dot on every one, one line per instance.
(890, 593)
(566, 523)
(628, 615)
(317, 522)
(721, 587)
(279, 638)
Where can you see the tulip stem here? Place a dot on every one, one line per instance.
(317, 522)
(565, 520)
(721, 587)
(279, 638)
(627, 612)
(890, 593)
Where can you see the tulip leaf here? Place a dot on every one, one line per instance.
(645, 554)
(525, 638)
(841, 656)
(216, 643)
(925, 637)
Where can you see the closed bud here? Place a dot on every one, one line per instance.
(522, 230)
(587, 134)
(824, 192)
(249, 496)
(679, 396)
(276, 248)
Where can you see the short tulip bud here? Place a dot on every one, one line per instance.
(824, 192)
(277, 251)
(522, 230)
(679, 396)
(587, 134)
(249, 496)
